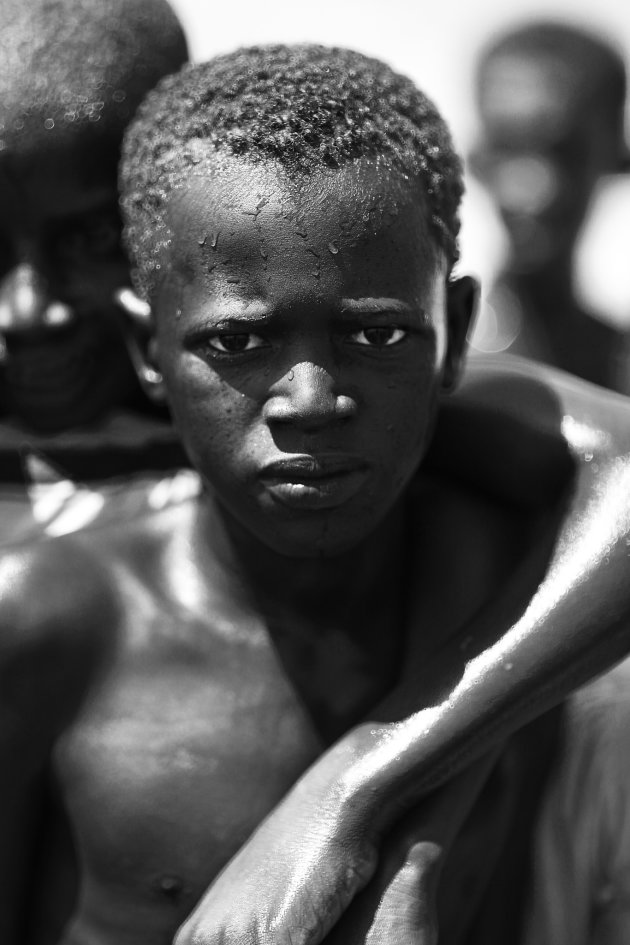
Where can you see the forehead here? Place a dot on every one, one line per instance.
(363, 222)
(531, 95)
(57, 170)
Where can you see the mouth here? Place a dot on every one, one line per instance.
(60, 366)
(314, 482)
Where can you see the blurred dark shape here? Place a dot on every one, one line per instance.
(73, 73)
(551, 102)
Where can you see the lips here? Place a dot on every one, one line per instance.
(314, 483)
(56, 377)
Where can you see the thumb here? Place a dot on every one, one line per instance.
(406, 914)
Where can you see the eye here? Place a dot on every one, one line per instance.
(235, 342)
(380, 336)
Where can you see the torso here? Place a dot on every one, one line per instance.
(195, 728)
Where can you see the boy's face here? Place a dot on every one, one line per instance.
(303, 334)
(65, 362)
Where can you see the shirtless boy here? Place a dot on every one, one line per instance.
(293, 216)
(73, 74)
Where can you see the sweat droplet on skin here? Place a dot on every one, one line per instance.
(333, 248)
(291, 375)
(214, 240)
(202, 240)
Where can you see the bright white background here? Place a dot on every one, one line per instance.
(436, 44)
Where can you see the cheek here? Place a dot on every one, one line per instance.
(402, 423)
(211, 416)
(410, 423)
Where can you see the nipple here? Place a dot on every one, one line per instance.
(171, 887)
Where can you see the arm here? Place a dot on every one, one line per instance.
(518, 658)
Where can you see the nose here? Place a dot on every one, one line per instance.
(25, 303)
(527, 184)
(306, 396)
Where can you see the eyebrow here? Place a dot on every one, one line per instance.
(254, 316)
(376, 306)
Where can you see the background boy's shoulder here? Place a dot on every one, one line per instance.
(58, 608)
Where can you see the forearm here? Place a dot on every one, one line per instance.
(564, 618)
(561, 620)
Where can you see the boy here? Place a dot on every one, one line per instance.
(73, 74)
(292, 215)
(551, 101)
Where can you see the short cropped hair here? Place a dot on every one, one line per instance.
(70, 64)
(303, 106)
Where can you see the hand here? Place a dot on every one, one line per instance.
(406, 912)
(398, 906)
(297, 875)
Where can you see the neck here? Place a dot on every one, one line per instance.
(311, 589)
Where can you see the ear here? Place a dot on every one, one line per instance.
(139, 332)
(462, 300)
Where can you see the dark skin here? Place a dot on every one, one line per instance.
(66, 362)
(68, 389)
(564, 610)
(548, 139)
(193, 679)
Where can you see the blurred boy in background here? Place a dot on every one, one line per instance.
(73, 73)
(551, 101)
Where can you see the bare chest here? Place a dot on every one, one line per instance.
(177, 757)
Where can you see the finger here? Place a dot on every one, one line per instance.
(406, 914)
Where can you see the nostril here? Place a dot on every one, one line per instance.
(345, 406)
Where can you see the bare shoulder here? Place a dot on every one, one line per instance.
(57, 611)
(527, 432)
(547, 399)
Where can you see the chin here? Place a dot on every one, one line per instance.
(307, 534)
(320, 536)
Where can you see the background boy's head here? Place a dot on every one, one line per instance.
(292, 216)
(551, 100)
(73, 74)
